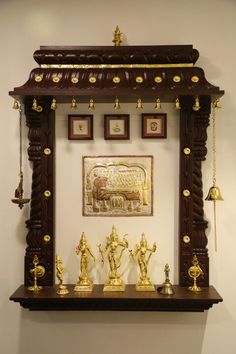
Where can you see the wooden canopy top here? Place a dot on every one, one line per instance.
(127, 72)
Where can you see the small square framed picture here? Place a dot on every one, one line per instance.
(80, 127)
(154, 125)
(116, 126)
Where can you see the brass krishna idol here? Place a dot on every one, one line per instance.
(84, 282)
(113, 244)
(144, 252)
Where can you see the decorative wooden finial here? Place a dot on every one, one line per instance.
(117, 37)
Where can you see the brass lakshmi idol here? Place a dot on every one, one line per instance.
(144, 253)
(84, 282)
(114, 282)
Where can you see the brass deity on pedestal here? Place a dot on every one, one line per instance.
(144, 283)
(114, 282)
(84, 282)
(62, 289)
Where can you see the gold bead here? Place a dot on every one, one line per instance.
(47, 193)
(47, 238)
(186, 239)
(187, 151)
(74, 80)
(38, 78)
(158, 79)
(186, 192)
(195, 79)
(92, 80)
(47, 151)
(116, 80)
(139, 79)
(176, 78)
(56, 79)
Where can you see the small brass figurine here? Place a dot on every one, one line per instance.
(84, 283)
(38, 271)
(114, 282)
(144, 283)
(117, 37)
(166, 288)
(62, 289)
(194, 272)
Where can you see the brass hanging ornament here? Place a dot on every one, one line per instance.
(91, 104)
(158, 104)
(74, 104)
(117, 103)
(19, 200)
(177, 104)
(214, 193)
(139, 104)
(54, 104)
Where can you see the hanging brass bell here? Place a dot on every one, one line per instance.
(117, 104)
(74, 104)
(91, 104)
(54, 104)
(216, 103)
(214, 194)
(196, 105)
(35, 104)
(15, 105)
(177, 103)
(158, 104)
(139, 104)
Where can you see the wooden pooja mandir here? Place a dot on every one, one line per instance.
(167, 73)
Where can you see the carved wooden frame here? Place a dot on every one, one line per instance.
(183, 82)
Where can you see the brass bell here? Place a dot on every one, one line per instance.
(139, 104)
(214, 194)
(54, 104)
(117, 104)
(216, 103)
(15, 105)
(177, 103)
(35, 104)
(196, 105)
(74, 104)
(158, 104)
(91, 104)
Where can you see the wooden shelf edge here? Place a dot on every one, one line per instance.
(129, 300)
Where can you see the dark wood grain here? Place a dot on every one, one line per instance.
(129, 300)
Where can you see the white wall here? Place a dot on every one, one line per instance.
(210, 27)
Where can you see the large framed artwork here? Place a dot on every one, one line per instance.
(117, 185)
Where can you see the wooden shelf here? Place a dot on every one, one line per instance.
(129, 300)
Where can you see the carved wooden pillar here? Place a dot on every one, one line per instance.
(193, 240)
(40, 237)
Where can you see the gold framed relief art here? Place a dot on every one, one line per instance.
(117, 185)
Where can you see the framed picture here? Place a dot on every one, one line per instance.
(118, 185)
(80, 127)
(154, 125)
(116, 126)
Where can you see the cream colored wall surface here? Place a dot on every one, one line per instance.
(210, 27)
